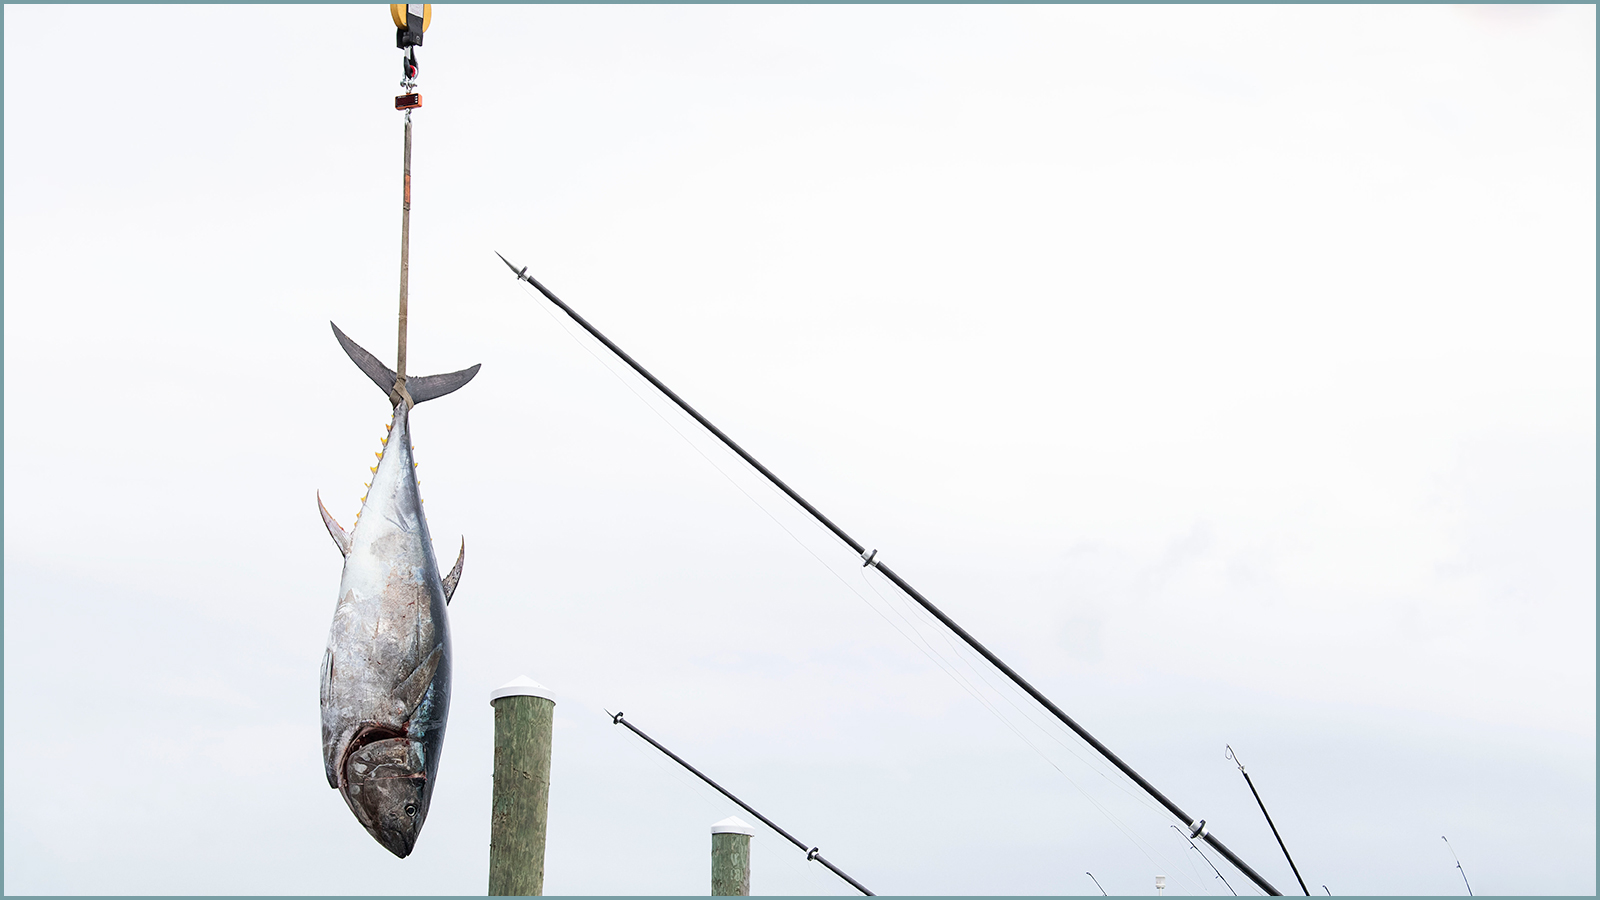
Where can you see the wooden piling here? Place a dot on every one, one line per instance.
(730, 857)
(523, 714)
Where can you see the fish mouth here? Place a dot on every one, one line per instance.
(383, 779)
(368, 734)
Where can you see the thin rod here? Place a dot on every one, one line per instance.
(1206, 858)
(1097, 884)
(811, 852)
(1458, 865)
(1240, 763)
(405, 273)
(910, 591)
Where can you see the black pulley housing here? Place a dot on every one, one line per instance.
(411, 35)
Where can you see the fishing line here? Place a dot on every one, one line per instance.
(978, 671)
(920, 641)
(1203, 856)
(686, 439)
(811, 854)
(955, 675)
(923, 646)
(1029, 713)
(605, 363)
(1143, 846)
(1197, 826)
(719, 469)
(1190, 860)
(718, 805)
(758, 504)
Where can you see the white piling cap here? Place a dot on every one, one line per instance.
(733, 825)
(521, 686)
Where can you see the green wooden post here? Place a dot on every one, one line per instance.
(523, 710)
(730, 857)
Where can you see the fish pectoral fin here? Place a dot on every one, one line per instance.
(452, 579)
(340, 537)
(328, 756)
(408, 694)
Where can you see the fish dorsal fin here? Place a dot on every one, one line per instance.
(408, 694)
(452, 579)
(340, 538)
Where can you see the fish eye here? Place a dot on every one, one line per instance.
(411, 810)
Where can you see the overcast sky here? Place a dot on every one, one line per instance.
(1230, 372)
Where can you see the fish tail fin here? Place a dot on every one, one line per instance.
(423, 387)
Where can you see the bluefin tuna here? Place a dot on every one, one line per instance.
(386, 672)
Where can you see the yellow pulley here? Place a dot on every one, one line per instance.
(398, 12)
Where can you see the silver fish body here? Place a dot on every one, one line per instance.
(386, 671)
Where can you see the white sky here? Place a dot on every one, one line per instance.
(1231, 372)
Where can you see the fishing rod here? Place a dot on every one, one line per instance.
(1236, 761)
(1207, 859)
(1197, 827)
(1097, 882)
(1458, 864)
(811, 853)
